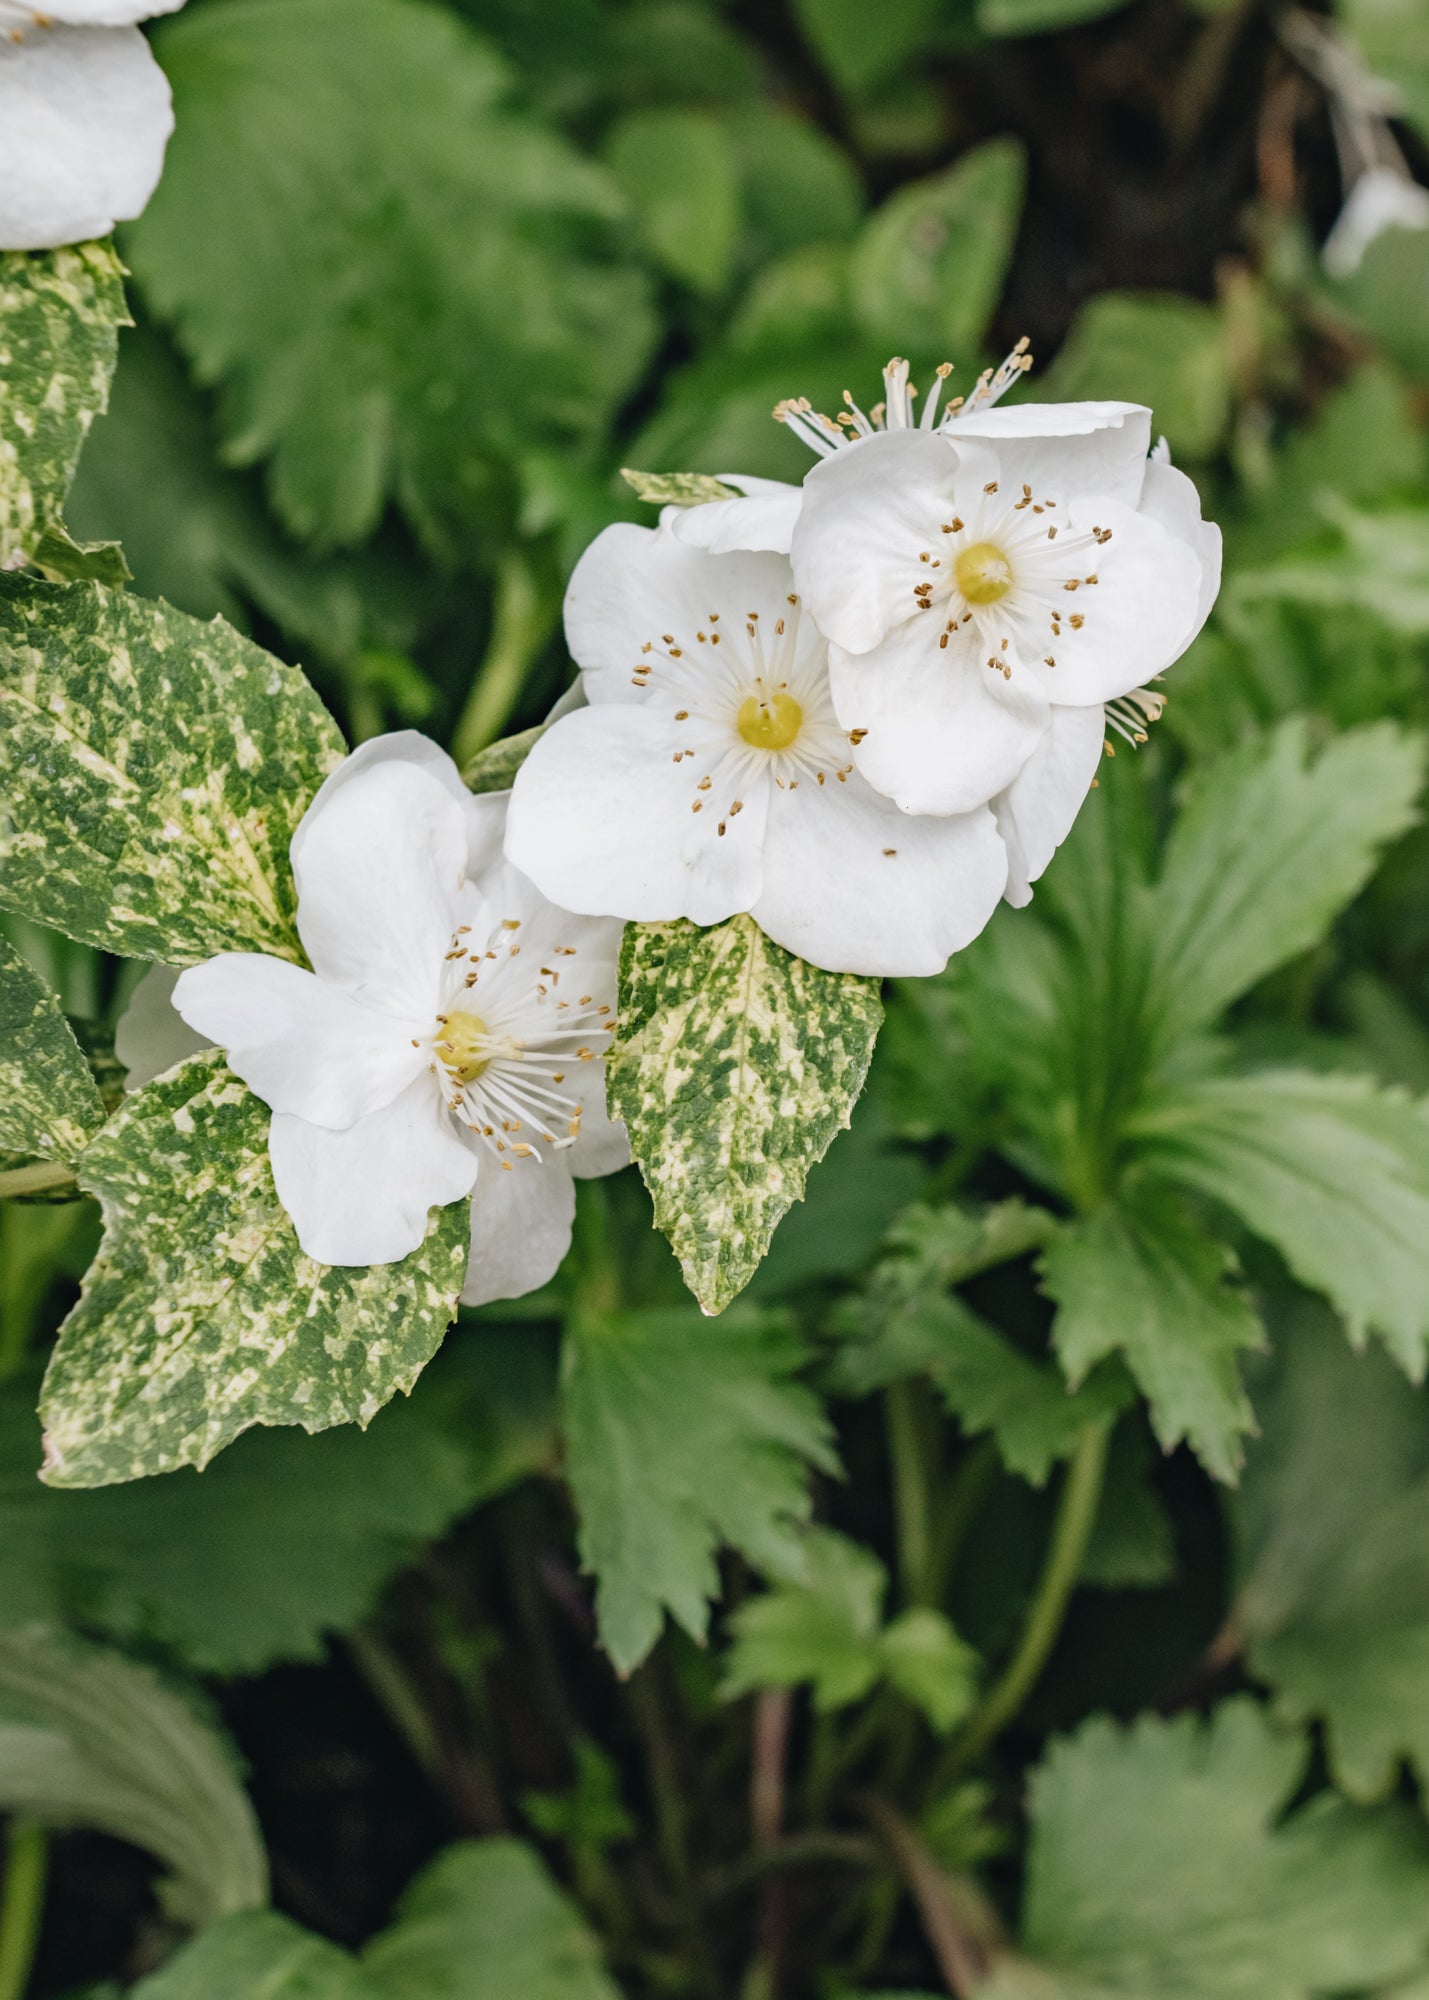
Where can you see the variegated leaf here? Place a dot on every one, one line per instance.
(48, 1101)
(677, 489)
(152, 770)
(60, 312)
(735, 1064)
(201, 1316)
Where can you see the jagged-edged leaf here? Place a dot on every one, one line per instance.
(1273, 844)
(90, 1739)
(1374, 569)
(153, 770)
(400, 282)
(1332, 1543)
(1144, 1280)
(286, 1537)
(201, 1316)
(1332, 1170)
(60, 312)
(61, 559)
(1170, 353)
(734, 1065)
(48, 1101)
(677, 489)
(1161, 1869)
(681, 1434)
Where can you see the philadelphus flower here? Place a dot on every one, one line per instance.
(449, 1037)
(995, 585)
(709, 774)
(85, 115)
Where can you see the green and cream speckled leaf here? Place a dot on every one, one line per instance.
(48, 1101)
(201, 1316)
(735, 1064)
(152, 770)
(60, 314)
(677, 489)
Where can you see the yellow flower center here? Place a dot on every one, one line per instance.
(769, 722)
(464, 1047)
(982, 573)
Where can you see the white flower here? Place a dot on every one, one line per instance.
(974, 578)
(85, 115)
(1383, 198)
(450, 1035)
(709, 774)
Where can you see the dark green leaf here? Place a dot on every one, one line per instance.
(677, 171)
(1170, 353)
(48, 1101)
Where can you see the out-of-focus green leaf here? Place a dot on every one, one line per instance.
(154, 770)
(683, 1433)
(60, 311)
(88, 1738)
(928, 266)
(261, 1956)
(1374, 565)
(201, 1316)
(399, 284)
(48, 1102)
(1330, 1169)
(677, 172)
(1393, 38)
(797, 186)
(286, 1537)
(1133, 1540)
(1161, 1869)
(862, 46)
(1146, 347)
(1144, 1280)
(1386, 294)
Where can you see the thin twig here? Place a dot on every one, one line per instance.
(959, 1929)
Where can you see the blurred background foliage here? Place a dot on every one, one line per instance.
(419, 280)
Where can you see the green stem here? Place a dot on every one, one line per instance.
(22, 1905)
(43, 1177)
(521, 623)
(1076, 1515)
(904, 1416)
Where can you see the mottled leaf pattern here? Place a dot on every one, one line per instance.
(152, 769)
(735, 1064)
(201, 1316)
(59, 318)
(677, 489)
(48, 1100)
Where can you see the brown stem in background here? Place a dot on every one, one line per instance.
(960, 1927)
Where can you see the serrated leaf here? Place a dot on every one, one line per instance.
(1330, 1169)
(928, 266)
(677, 489)
(1143, 1280)
(88, 1738)
(201, 1316)
(734, 1065)
(48, 1101)
(153, 770)
(285, 1538)
(1171, 353)
(1374, 568)
(1161, 1869)
(60, 312)
(400, 283)
(682, 1434)
(61, 559)
(1273, 844)
(1331, 1529)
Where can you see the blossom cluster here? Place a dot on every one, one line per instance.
(862, 710)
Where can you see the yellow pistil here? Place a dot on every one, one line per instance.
(769, 722)
(464, 1047)
(982, 573)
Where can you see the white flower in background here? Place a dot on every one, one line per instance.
(85, 115)
(449, 1038)
(709, 774)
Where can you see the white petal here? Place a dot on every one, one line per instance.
(151, 1035)
(634, 585)
(1035, 813)
(1064, 448)
(379, 863)
(1382, 198)
(1141, 614)
(520, 1228)
(764, 519)
(854, 885)
(83, 13)
(85, 115)
(304, 1046)
(604, 1144)
(601, 820)
(945, 734)
(1170, 498)
(362, 1196)
(868, 513)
